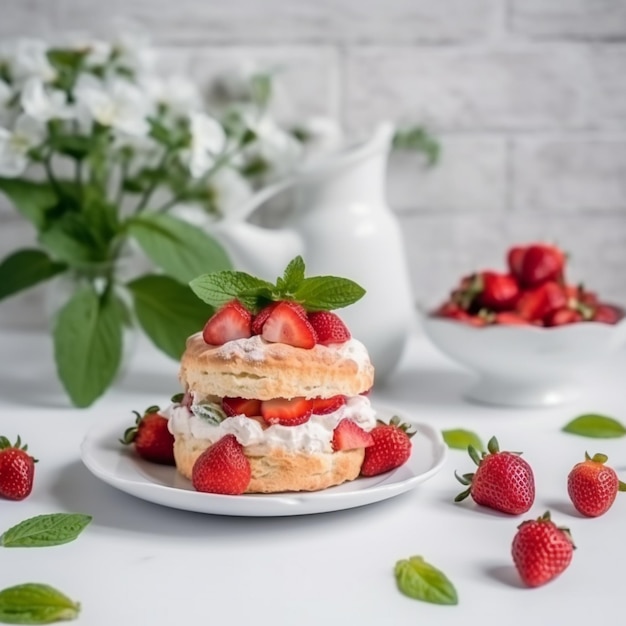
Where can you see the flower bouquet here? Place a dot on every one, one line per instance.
(95, 151)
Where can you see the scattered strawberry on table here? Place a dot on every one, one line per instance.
(592, 486)
(533, 291)
(541, 550)
(504, 481)
(151, 437)
(391, 447)
(17, 470)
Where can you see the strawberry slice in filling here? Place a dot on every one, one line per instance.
(287, 412)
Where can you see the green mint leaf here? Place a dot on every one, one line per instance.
(31, 199)
(210, 412)
(293, 276)
(45, 530)
(421, 581)
(87, 337)
(35, 603)
(182, 250)
(323, 293)
(24, 269)
(596, 426)
(167, 311)
(460, 439)
(218, 288)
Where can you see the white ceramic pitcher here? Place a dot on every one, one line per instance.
(342, 226)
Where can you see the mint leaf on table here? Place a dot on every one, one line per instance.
(45, 530)
(596, 426)
(460, 439)
(419, 580)
(35, 603)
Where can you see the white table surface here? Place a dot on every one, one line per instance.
(141, 563)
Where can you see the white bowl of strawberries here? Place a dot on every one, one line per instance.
(528, 333)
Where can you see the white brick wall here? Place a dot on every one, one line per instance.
(528, 98)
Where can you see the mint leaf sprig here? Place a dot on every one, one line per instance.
(315, 293)
(53, 529)
(36, 603)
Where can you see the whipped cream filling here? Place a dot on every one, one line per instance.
(254, 348)
(313, 436)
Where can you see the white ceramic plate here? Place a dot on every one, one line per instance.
(118, 466)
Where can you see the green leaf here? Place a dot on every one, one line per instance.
(596, 426)
(67, 239)
(168, 312)
(324, 293)
(294, 274)
(419, 140)
(35, 603)
(421, 581)
(24, 269)
(74, 146)
(87, 337)
(45, 530)
(32, 199)
(218, 288)
(460, 439)
(177, 247)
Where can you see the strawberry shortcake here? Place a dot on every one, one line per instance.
(275, 387)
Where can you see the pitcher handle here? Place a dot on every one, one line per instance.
(243, 212)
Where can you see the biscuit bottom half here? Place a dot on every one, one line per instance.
(278, 470)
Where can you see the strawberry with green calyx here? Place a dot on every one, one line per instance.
(593, 486)
(541, 550)
(151, 437)
(391, 448)
(503, 481)
(273, 307)
(17, 470)
(222, 468)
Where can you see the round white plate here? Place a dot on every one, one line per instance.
(120, 467)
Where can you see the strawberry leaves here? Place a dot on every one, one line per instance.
(316, 293)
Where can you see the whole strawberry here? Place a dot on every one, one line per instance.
(541, 550)
(17, 470)
(503, 481)
(151, 437)
(222, 468)
(391, 447)
(592, 486)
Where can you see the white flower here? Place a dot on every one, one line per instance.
(6, 95)
(116, 103)
(27, 58)
(323, 135)
(14, 145)
(208, 140)
(178, 93)
(44, 103)
(275, 145)
(133, 48)
(97, 52)
(231, 189)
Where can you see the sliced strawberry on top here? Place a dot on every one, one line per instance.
(329, 327)
(348, 435)
(288, 412)
(241, 406)
(231, 321)
(323, 406)
(260, 318)
(287, 323)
